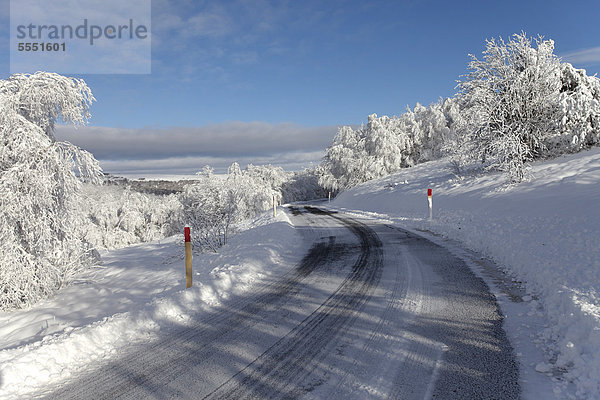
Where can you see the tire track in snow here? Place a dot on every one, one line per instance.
(396, 299)
(282, 370)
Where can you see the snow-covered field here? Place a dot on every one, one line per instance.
(135, 293)
(544, 233)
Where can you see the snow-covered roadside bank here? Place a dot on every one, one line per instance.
(545, 233)
(138, 291)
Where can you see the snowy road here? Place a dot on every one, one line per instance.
(370, 312)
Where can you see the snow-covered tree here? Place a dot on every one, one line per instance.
(206, 211)
(509, 102)
(579, 116)
(432, 130)
(213, 205)
(119, 216)
(340, 166)
(384, 145)
(41, 245)
(269, 175)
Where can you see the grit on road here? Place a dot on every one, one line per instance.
(371, 311)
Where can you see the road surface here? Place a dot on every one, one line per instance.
(371, 311)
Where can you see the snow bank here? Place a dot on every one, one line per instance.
(545, 233)
(137, 291)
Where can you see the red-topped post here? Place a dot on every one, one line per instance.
(188, 257)
(429, 195)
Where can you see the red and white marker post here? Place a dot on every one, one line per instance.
(430, 203)
(274, 206)
(188, 257)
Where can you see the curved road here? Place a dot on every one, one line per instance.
(371, 311)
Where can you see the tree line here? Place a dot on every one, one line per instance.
(517, 103)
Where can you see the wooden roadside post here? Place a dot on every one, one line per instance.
(188, 257)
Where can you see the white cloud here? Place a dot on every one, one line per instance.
(590, 56)
(187, 149)
(191, 165)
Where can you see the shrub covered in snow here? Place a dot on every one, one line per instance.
(41, 245)
(119, 217)
(213, 205)
(579, 105)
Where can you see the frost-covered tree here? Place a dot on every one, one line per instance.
(341, 165)
(579, 112)
(215, 204)
(432, 131)
(509, 101)
(384, 145)
(41, 245)
(206, 210)
(269, 175)
(119, 216)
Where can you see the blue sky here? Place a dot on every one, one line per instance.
(228, 73)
